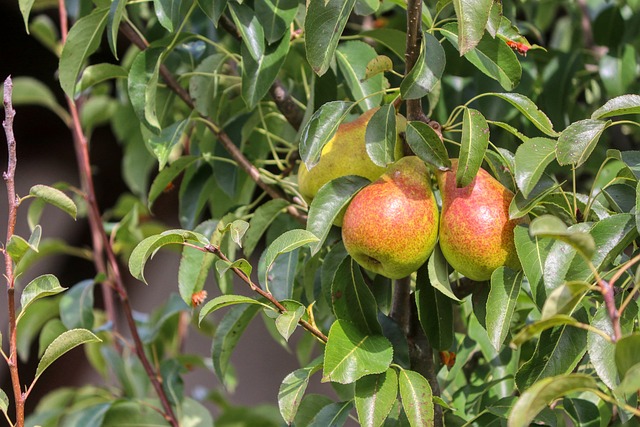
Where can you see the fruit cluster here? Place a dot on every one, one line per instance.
(391, 226)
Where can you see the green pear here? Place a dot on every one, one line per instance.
(345, 154)
(391, 226)
(476, 234)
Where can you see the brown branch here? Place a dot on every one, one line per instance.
(607, 291)
(13, 202)
(285, 104)
(414, 39)
(101, 245)
(244, 163)
(267, 295)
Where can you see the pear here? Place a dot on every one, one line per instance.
(476, 234)
(345, 154)
(391, 226)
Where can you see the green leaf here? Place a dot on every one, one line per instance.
(222, 266)
(116, 12)
(439, 273)
(76, 306)
(227, 335)
(352, 299)
(167, 175)
(148, 247)
(564, 299)
(17, 247)
(258, 74)
(578, 140)
(435, 311)
(287, 242)
(142, 83)
(133, 413)
(627, 353)
(292, 390)
(375, 396)
(320, 128)
(333, 414)
(225, 301)
(25, 10)
(551, 226)
(168, 13)
(329, 203)
(236, 229)
(163, 143)
(536, 398)
(61, 345)
(324, 22)
(389, 37)
(29, 91)
(427, 71)
(4, 402)
(98, 73)
(252, 32)
(83, 39)
(618, 106)
(378, 65)
(416, 398)
(55, 197)
(501, 303)
(475, 140)
(350, 355)
(213, 9)
(491, 56)
(287, 322)
(631, 381)
(260, 221)
(427, 144)
(352, 58)
(532, 158)
(280, 277)
(276, 16)
(529, 109)
(381, 136)
(533, 329)
(558, 351)
(472, 20)
(40, 287)
(49, 332)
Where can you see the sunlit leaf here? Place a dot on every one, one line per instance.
(474, 143)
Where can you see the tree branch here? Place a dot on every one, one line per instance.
(102, 246)
(13, 202)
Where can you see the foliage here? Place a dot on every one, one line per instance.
(225, 99)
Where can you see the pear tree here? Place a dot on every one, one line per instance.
(431, 206)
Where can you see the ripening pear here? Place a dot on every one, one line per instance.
(345, 154)
(476, 234)
(391, 226)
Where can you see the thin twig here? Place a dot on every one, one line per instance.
(267, 295)
(102, 246)
(13, 202)
(606, 289)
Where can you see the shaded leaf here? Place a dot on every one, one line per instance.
(276, 17)
(333, 414)
(329, 202)
(627, 353)
(83, 39)
(260, 221)
(320, 128)
(435, 312)
(564, 299)
(76, 306)
(292, 390)
(324, 22)
(439, 273)
(427, 144)
(167, 175)
(352, 58)
(529, 109)
(551, 226)
(381, 136)
(29, 91)
(427, 71)
(501, 303)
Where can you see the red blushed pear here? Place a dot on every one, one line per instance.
(391, 226)
(476, 234)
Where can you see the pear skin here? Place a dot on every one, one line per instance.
(476, 234)
(391, 226)
(344, 154)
